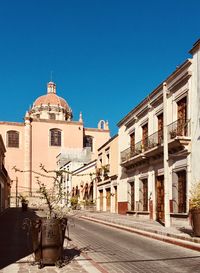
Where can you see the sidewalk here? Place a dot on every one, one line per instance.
(180, 234)
(16, 252)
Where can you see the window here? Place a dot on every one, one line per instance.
(55, 137)
(160, 128)
(52, 116)
(182, 117)
(181, 191)
(13, 139)
(132, 142)
(88, 142)
(144, 194)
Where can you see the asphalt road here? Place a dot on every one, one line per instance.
(116, 251)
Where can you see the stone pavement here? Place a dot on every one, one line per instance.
(16, 252)
(180, 233)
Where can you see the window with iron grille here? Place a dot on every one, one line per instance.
(55, 137)
(13, 139)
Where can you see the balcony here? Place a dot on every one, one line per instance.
(103, 173)
(178, 136)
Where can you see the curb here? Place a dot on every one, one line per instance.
(168, 238)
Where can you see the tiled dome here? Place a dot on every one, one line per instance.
(50, 99)
(51, 105)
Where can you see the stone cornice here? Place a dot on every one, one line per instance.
(11, 123)
(156, 93)
(196, 46)
(96, 130)
(58, 121)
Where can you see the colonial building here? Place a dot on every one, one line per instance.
(159, 147)
(47, 131)
(107, 175)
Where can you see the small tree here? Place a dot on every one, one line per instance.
(52, 196)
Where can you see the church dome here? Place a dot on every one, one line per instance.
(50, 99)
(51, 104)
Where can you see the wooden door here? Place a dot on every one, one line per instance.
(181, 191)
(132, 142)
(145, 136)
(101, 199)
(116, 204)
(107, 199)
(182, 116)
(145, 194)
(160, 213)
(132, 196)
(160, 128)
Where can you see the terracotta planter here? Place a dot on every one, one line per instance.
(195, 221)
(47, 240)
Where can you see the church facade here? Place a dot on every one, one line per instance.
(48, 130)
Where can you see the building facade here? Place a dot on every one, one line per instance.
(48, 130)
(107, 176)
(159, 144)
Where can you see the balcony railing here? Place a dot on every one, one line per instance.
(177, 128)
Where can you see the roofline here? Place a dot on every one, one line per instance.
(195, 47)
(156, 90)
(106, 143)
(84, 166)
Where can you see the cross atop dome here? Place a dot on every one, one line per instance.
(51, 88)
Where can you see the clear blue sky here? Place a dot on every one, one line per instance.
(106, 55)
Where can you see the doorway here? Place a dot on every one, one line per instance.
(160, 212)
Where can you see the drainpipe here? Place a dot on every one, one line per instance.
(166, 161)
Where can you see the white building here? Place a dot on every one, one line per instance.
(159, 147)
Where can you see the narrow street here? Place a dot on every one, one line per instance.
(120, 251)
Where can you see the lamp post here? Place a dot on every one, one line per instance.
(16, 191)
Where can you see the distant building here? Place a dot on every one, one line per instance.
(47, 131)
(107, 176)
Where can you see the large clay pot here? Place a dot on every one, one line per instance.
(47, 240)
(195, 221)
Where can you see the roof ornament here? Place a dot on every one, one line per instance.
(80, 117)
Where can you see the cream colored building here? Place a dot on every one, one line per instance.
(159, 147)
(47, 131)
(84, 186)
(107, 175)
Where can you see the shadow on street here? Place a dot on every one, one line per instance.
(14, 242)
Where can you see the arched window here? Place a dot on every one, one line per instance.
(88, 142)
(13, 139)
(55, 137)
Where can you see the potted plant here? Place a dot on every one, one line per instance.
(24, 202)
(195, 208)
(47, 233)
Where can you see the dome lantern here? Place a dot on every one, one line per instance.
(51, 88)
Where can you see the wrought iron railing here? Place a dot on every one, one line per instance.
(177, 128)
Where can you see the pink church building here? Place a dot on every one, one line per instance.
(48, 130)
